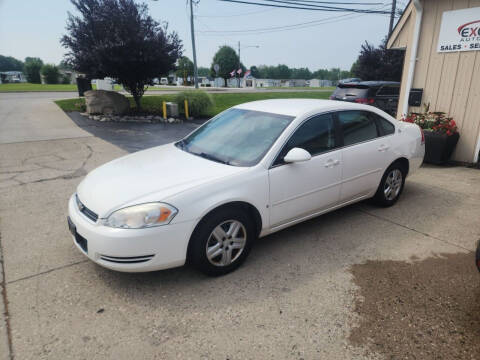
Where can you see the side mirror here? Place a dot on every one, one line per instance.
(297, 155)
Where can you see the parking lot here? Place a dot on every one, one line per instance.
(294, 297)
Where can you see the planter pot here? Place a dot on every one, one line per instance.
(439, 147)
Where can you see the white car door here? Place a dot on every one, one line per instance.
(366, 152)
(303, 188)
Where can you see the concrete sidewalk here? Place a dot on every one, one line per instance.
(34, 117)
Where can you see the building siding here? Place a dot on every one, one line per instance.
(451, 81)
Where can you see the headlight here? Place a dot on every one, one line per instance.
(142, 216)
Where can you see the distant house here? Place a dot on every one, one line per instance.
(268, 83)
(12, 77)
(320, 83)
(294, 83)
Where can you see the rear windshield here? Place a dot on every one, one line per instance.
(350, 91)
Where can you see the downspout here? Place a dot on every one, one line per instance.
(413, 54)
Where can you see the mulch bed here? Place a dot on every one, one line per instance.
(427, 309)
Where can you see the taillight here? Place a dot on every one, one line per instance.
(365, 101)
(423, 136)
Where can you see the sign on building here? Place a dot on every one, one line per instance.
(460, 30)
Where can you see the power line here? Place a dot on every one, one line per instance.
(284, 27)
(326, 8)
(298, 27)
(235, 15)
(328, 2)
(292, 5)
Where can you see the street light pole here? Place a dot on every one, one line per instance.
(239, 61)
(192, 29)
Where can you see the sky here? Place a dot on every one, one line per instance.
(34, 27)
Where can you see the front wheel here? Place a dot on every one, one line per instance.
(391, 186)
(221, 242)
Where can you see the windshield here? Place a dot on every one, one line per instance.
(236, 137)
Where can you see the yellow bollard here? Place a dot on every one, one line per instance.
(164, 110)
(186, 109)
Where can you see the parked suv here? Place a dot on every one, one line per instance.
(382, 94)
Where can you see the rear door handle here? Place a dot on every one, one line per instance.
(383, 147)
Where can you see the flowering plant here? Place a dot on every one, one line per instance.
(435, 121)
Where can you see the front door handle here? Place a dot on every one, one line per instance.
(331, 163)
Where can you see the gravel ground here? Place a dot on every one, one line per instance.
(427, 309)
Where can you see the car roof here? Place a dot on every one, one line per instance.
(371, 83)
(296, 107)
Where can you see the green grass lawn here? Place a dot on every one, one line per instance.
(153, 104)
(36, 87)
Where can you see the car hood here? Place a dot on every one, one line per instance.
(148, 175)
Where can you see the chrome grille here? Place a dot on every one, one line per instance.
(86, 211)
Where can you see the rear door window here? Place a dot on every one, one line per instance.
(357, 127)
(385, 126)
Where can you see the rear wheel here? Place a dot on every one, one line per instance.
(391, 185)
(222, 241)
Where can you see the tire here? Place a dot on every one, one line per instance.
(213, 250)
(477, 255)
(391, 185)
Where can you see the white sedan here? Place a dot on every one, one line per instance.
(254, 169)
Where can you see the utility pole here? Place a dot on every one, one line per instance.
(239, 62)
(192, 29)
(392, 16)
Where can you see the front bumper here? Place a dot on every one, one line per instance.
(130, 250)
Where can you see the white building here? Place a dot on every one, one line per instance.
(267, 83)
(320, 83)
(12, 77)
(294, 83)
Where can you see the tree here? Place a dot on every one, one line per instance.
(255, 72)
(50, 73)
(8, 63)
(184, 68)
(32, 68)
(301, 73)
(63, 65)
(282, 72)
(379, 63)
(118, 39)
(227, 59)
(203, 71)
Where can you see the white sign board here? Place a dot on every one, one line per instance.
(460, 30)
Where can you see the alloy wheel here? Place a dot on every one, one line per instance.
(393, 184)
(226, 243)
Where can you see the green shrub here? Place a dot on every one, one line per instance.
(200, 103)
(32, 70)
(64, 79)
(51, 73)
